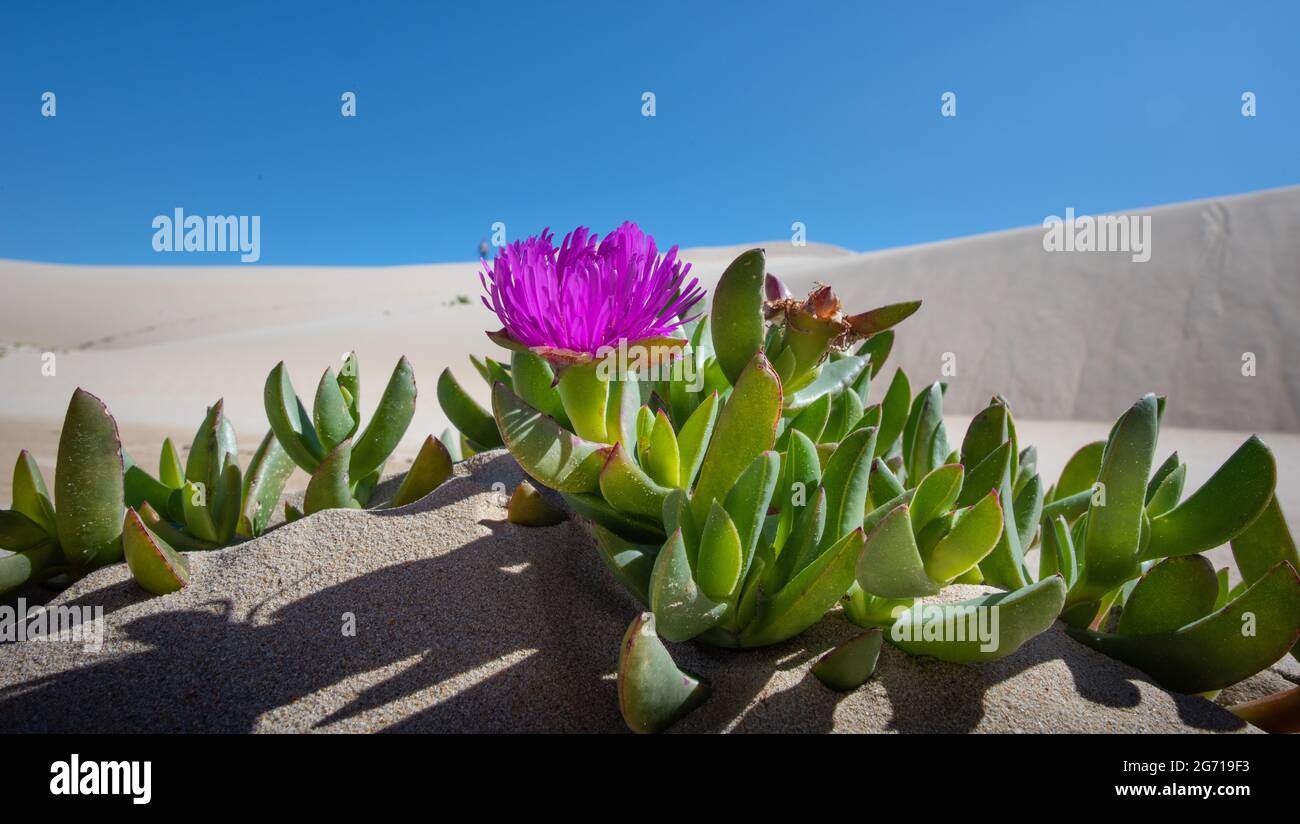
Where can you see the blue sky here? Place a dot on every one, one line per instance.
(530, 114)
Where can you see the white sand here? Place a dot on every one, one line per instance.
(467, 623)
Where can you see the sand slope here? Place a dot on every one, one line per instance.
(467, 623)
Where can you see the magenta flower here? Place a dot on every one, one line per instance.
(568, 303)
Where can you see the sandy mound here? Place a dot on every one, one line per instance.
(467, 623)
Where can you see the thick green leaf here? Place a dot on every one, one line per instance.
(628, 488)
(893, 412)
(289, 420)
(329, 487)
(139, 486)
(88, 494)
(807, 597)
(979, 629)
(846, 411)
(721, 557)
(876, 349)
(1225, 647)
(1110, 550)
(584, 392)
(1167, 494)
(170, 470)
(1172, 594)
(737, 316)
(430, 470)
(388, 424)
(1081, 471)
(850, 664)
(331, 413)
(1226, 504)
(196, 507)
(935, 495)
(267, 474)
(29, 565)
(173, 536)
(681, 607)
(890, 566)
(987, 431)
(653, 694)
(1028, 509)
(925, 442)
(881, 318)
(226, 503)
(845, 479)
(553, 456)
(835, 377)
(631, 563)
(213, 447)
(534, 382)
(693, 439)
(349, 378)
(18, 532)
(747, 503)
(663, 461)
(30, 497)
(466, 415)
(884, 484)
(527, 507)
(154, 565)
(746, 428)
(972, 538)
(1264, 543)
(630, 528)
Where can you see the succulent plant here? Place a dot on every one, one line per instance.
(344, 466)
(80, 528)
(1128, 546)
(206, 502)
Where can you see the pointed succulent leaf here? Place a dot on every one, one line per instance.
(987, 474)
(747, 503)
(972, 538)
(198, 514)
(170, 470)
(139, 486)
(628, 488)
(154, 565)
(533, 380)
(694, 438)
(811, 421)
(553, 456)
(1020, 615)
(174, 537)
(29, 565)
(802, 545)
(850, 664)
(451, 441)
(431, 468)
(1028, 468)
(925, 442)
(527, 507)
(680, 604)
(845, 479)
(465, 414)
(890, 566)
(1057, 556)
(633, 529)
(987, 431)
(1172, 594)
(834, 378)
(621, 415)
(877, 348)
(1110, 551)
(631, 563)
(846, 410)
(878, 320)
(894, 410)
(18, 532)
(226, 504)
(720, 557)
(1080, 472)
(387, 426)
(663, 461)
(807, 597)
(1264, 543)
(30, 497)
(746, 428)
(88, 493)
(349, 378)
(584, 393)
(1214, 652)
(1226, 504)
(268, 472)
(329, 487)
(331, 413)
(884, 485)
(737, 316)
(653, 694)
(213, 447)
(1162, 472)
(1167, 494)
(289, 420)
(935, 494)
(1028, 509)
